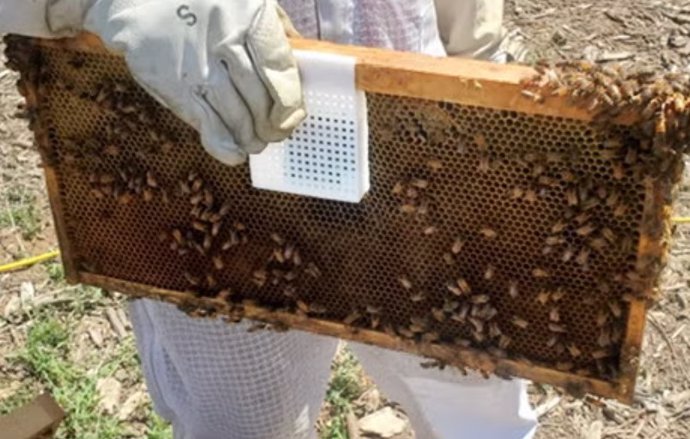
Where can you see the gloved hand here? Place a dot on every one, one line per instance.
(223, 66)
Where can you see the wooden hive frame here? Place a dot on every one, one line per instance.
(458, 81)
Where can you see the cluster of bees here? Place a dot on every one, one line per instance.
(658, 103)
(210, 232)
(284, 269)
(126, 185)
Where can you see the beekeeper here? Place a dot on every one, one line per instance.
(225, 67)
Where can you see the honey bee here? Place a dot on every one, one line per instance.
(489, 272)
(589, 204)
(604, 338)
(177, 235)
(585, 230)
(484, 163)
(494, 330)
(516, 193)
(313, 270)
(411, 193)
(600, 354)
(208, 198)
(540, 273)
(480, 141)
(616, 309)
(290, 291)
(420, 183)
(554, 327)
(557, 295)
(208, 241)
(464, 286)
(405, 282)
(302, 306)
(418, 324)
(434, 164)
(554, 315)
(554, 240)
(583, 256)
(418, 296)
(215, 229)
(438, 314)
(568, 176)
(477, 324)
(564, 366)
(538, 169)
(257, 326)
(184, 188)
(457, 246)
(530, 196)
(317, 308)
(450, 286)
(620, 210)
(196, 199)
(111, 150)
(97, 193)
(430, 337)
(218, 263)
(558, 227)
(543, 297)
(192, 280)
(488, 232)
(571, 197)
(608, 234)
(198, 225)
(480, 299)
(448, 259)
(352, 317)
(462, 342)
(534, 97)
(398, 188)
(513, 289)
(197, 184)
(224, 294)
(551, 342)
(520, 322)
(574, 351)
(430, 230)
(504, 341)
(408, 209)
(617, 170)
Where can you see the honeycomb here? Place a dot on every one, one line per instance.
(496, 230)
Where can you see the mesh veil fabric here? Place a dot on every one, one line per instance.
(215, 380)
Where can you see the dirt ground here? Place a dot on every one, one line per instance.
(76, 341)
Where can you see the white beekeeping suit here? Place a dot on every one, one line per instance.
(235, 81)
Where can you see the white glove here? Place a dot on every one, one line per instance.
(223, 66)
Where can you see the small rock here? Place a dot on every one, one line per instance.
(26, 292)
(383, 423)
(677, 41)
(133, 402)
(96, 336)
(109, 390)
(559, 39)
(370, 400)
(12, 306)
(594, 430)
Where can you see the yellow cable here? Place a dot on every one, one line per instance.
(29, 261)
(681, 220)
